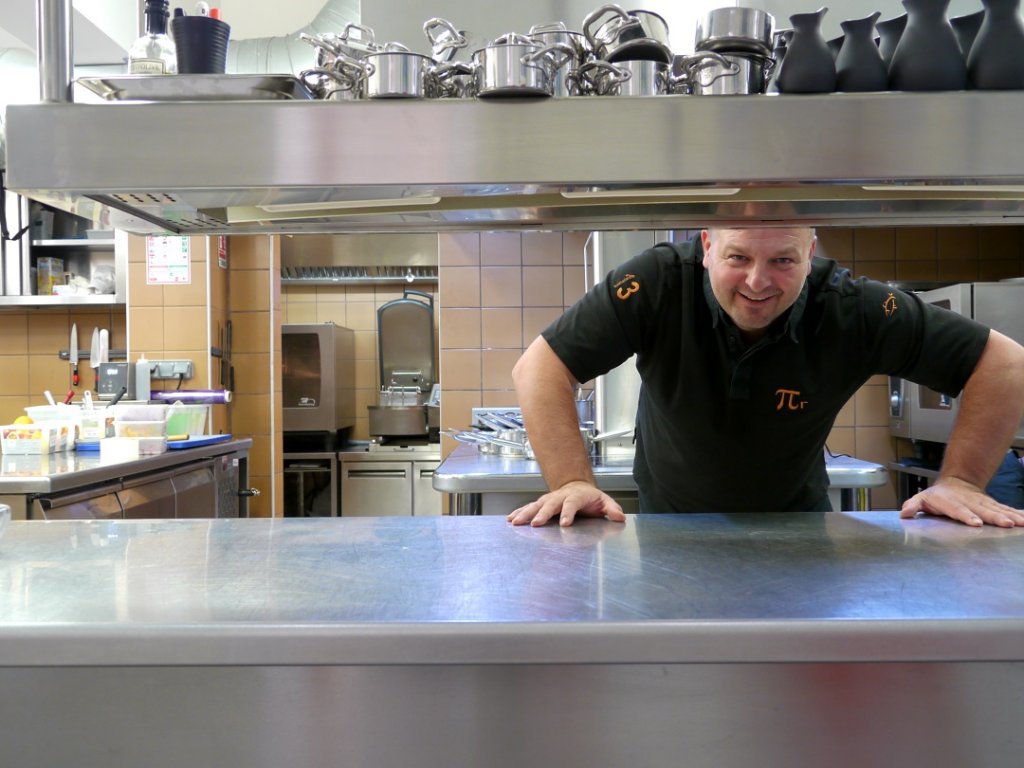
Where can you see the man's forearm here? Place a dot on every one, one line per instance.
(544, 388)
(990, 409)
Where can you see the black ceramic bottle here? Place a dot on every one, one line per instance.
(928, 56)
(808, 66)
(859, 66)
(997, 56)
(889, 33)
(966, 29)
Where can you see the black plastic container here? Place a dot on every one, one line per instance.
(202, 44)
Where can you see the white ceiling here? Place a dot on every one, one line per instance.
(103, 29)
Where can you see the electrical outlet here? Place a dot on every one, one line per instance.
(171, 369)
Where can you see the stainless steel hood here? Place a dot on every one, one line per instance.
(397, 257)
(608, 163)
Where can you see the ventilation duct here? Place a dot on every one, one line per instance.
(288, 53)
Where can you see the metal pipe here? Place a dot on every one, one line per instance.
(54, 50)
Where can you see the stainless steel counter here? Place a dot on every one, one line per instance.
(467, 472)
(55, 472)
(734, 639)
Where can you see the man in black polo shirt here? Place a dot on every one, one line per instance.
(747, 349)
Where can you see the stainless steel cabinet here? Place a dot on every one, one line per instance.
(425, 500)
(99, 503)
(195, 492)
(376, 488)
(150, 496)
(393, 482)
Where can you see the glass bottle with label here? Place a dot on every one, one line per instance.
(154, 53)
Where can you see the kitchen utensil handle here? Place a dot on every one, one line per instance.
(425, 296)
(74, 375)
(625, 21)
(121, 393)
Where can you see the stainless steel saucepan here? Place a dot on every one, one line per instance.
(515, 65)
(736, 74)
(557, 34)
(398, 73)
(736, 30)
(627, 35)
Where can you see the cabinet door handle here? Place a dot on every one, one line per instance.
(376, 473)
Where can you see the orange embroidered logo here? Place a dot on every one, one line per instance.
(789, 399)
(626, 287)
(889, 305)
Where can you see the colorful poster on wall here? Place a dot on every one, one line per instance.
(167, 260)
(222, 251)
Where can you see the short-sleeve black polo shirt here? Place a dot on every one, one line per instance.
(727, 427)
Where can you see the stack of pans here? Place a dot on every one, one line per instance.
(631, 51)
(742, 36)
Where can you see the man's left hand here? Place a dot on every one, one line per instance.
(963, 501)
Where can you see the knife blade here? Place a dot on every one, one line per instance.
(104, 346)
(94, 349)
(73, 354)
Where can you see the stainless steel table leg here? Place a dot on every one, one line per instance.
(464, 504)
(856, 499)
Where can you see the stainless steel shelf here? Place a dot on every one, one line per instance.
(22, 302)
(97, 244)
(668, 161)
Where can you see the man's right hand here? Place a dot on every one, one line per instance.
(573, 498)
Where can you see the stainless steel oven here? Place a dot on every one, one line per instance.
(318, 377)
(919, 412)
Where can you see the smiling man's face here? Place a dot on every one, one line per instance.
(757, 274)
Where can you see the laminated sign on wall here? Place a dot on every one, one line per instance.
(167, 260)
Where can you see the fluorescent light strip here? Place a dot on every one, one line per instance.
(959, 188)
(653, 193)
(344, 204)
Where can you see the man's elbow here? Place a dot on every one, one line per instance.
(539, 363)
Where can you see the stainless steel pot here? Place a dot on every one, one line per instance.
(514, 65)
(741, 74)
(736, 30)
(628, 35)
(554, 36)
(401, 74)
(631, 78)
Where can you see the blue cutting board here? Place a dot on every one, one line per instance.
(196, 442)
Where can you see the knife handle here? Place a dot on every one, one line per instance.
(74, 376)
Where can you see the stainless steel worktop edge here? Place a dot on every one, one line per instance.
(466, 470)
(451, 643)
(94, 473)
